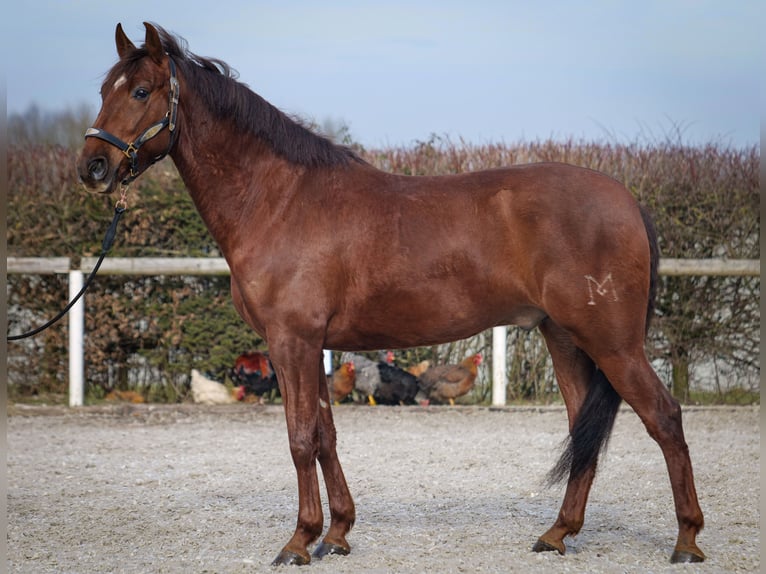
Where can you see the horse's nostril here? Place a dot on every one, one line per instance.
(97, 168)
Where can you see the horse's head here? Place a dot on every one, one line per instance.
(136, 124)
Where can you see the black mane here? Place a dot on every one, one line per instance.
(227, 99)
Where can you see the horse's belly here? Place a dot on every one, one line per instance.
(425, 322)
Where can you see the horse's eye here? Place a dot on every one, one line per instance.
(140, 93)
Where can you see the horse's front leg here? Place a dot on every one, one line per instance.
(342, 512)
(295, 364)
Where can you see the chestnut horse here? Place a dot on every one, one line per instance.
(326, 251)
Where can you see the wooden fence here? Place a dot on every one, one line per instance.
(218, 266)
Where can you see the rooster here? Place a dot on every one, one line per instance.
(254, 375)
(381, 382)
(444, 383)
(342, 382)
(208, 392)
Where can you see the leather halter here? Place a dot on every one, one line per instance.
(131, 149)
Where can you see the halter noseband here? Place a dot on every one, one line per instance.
(131, 149)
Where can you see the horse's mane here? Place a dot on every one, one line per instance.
(227, 99)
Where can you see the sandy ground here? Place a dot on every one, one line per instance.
(188, 489)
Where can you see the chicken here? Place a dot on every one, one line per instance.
(419, 369)
(397, 387)
(342, 382)
(367, 375)
(125, 397)
(381, 382)
(444, 383)
(254, 374)
(208, 392)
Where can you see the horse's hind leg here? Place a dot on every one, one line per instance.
(639, 385)
(574, 369)
(342, 512)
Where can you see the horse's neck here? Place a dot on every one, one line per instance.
(233, 180)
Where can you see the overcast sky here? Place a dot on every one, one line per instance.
(397, 71)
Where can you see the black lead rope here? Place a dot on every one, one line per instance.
(106, 245)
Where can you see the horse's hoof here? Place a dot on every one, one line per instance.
(686, 557)
(543, 546)
(325, 548)
(288, 558)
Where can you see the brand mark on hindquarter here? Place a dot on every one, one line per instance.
(604, 289)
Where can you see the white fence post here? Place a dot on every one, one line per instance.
(327, 361)
(76, 346)
(499, 338)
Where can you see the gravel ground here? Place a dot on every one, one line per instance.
(189, 489)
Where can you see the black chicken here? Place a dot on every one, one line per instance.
(381, 382)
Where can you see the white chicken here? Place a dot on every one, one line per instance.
(208, 392)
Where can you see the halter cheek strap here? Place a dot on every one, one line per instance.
(130, 149)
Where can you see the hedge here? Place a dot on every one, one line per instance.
(146, 333)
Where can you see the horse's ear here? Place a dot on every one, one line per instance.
(153, 44)
(124, 45)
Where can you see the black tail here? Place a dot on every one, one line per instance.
(654, 262)
(591, 430)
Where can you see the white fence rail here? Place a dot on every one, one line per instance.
(218, 266)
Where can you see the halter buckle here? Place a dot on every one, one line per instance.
(130, 150)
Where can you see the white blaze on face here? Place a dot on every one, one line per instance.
(121, 80)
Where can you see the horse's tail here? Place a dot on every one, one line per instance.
(590, 432)
(654, 262)
(593, 425)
